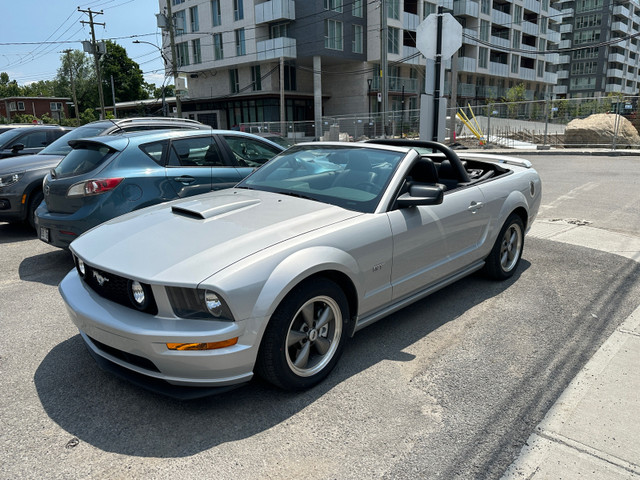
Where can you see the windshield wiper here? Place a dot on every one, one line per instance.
(297, 195)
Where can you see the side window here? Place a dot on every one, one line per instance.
(154, 151)
(194, 152)
(33, 140)
(250, 152)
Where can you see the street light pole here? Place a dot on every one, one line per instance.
(166, 62)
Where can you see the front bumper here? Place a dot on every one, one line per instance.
(132, 344)
(11, 207)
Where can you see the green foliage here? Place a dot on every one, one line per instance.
(127, 76)
(89, 115)
(513, 96)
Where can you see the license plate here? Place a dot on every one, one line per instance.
(44, 234)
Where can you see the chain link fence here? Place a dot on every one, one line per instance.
(528, 124)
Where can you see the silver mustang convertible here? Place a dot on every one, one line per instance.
(273, 276)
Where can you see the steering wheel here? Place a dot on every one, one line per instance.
(449, 154)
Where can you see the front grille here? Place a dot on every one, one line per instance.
(130, 358)
(116, 288)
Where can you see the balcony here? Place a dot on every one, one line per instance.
(275, 10)
(560, 89)
(566, 28)
(276, 48)
(553, 58)
(467, 8)
(565, 44)
(529, 28)
(410, 21)
(409, 52)
(553, 37)
(499, 69)
(532, 5)
(562, 59)
(466, 89)
(500, 18)
(621, 10)
(466, 64)
(550, 77)
(396, 84)
(619, 27)
(527, 73)
(562, 74)
(613, 88)
(617, 57)
(615, 73)
(468, 34)
(500, 42)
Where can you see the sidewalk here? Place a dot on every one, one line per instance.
(606, 152)
(593, 429)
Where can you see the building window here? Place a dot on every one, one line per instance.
(21, 106)
(545, 5)
(256, 79)
(356, 8)
(357, 43)
(543, 25)
(393, 40)
(238, 10)
(234, 80)
(393, 9)
(483, 55)
(485, 28)
(542, 45)
(218, 53)
(176, 2)
(515, 41)
(197, 53)
(517, 14)
(584, 68)
(588, 21)
(585, 53)
(586, 36)
(12, 106)
(193, 16)
(240, 46)
(515, 63)
(290, 78)
(485, 7)
(428, 9)
(540, 68)
(335, 5)
(182, 51)
(332, 34)
(53, 106)
(215, 13)
(180, 22)
(279, 30)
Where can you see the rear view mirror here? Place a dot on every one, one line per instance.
(421, 195)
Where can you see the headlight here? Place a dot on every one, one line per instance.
(198, 304)
(10, 179)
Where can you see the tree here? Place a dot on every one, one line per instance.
(127, 76)
(84, 78)
(514, 95)
(8, 88)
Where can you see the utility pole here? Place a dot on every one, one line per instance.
(174, 61)
(73, 86)
(283, 124)
(96, 53)
(384, 69)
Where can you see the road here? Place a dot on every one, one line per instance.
(450, 387)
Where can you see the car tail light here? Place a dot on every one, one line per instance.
(93, 187)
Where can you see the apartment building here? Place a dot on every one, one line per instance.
(230, 52)
(600, 48)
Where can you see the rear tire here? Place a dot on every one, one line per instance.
(305, 336)
(506, 253)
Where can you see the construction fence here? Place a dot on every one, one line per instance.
(527, 124)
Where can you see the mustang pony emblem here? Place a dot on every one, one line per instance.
(100, 279)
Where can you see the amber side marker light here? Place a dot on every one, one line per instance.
(202, 346)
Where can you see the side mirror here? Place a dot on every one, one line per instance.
(17, 147)
(421, 195)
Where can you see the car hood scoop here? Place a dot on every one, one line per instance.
(184, 241)
(214, 207)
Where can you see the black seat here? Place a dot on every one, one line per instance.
(357, 171)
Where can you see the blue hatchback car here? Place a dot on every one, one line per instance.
(104, 177)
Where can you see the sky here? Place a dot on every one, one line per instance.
(35, 32)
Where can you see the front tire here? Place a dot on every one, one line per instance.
(34, 203)
(305, 336)
(505, 256)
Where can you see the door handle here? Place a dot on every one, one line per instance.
(475, 206)
(185, 179)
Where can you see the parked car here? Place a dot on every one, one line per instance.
(21, 177)
(104, 177)
(279, 139)
(274, 275)
(29, 139)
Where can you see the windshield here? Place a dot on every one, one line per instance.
(349, 177)
(61, 145)
(9, 135)
(82, 159)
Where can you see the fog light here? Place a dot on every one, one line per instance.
(81, 268)
(202, 346)
(213, 303)
(139, 295)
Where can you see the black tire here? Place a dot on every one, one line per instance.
(506, 253)
(300, 347)
(34, 203)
